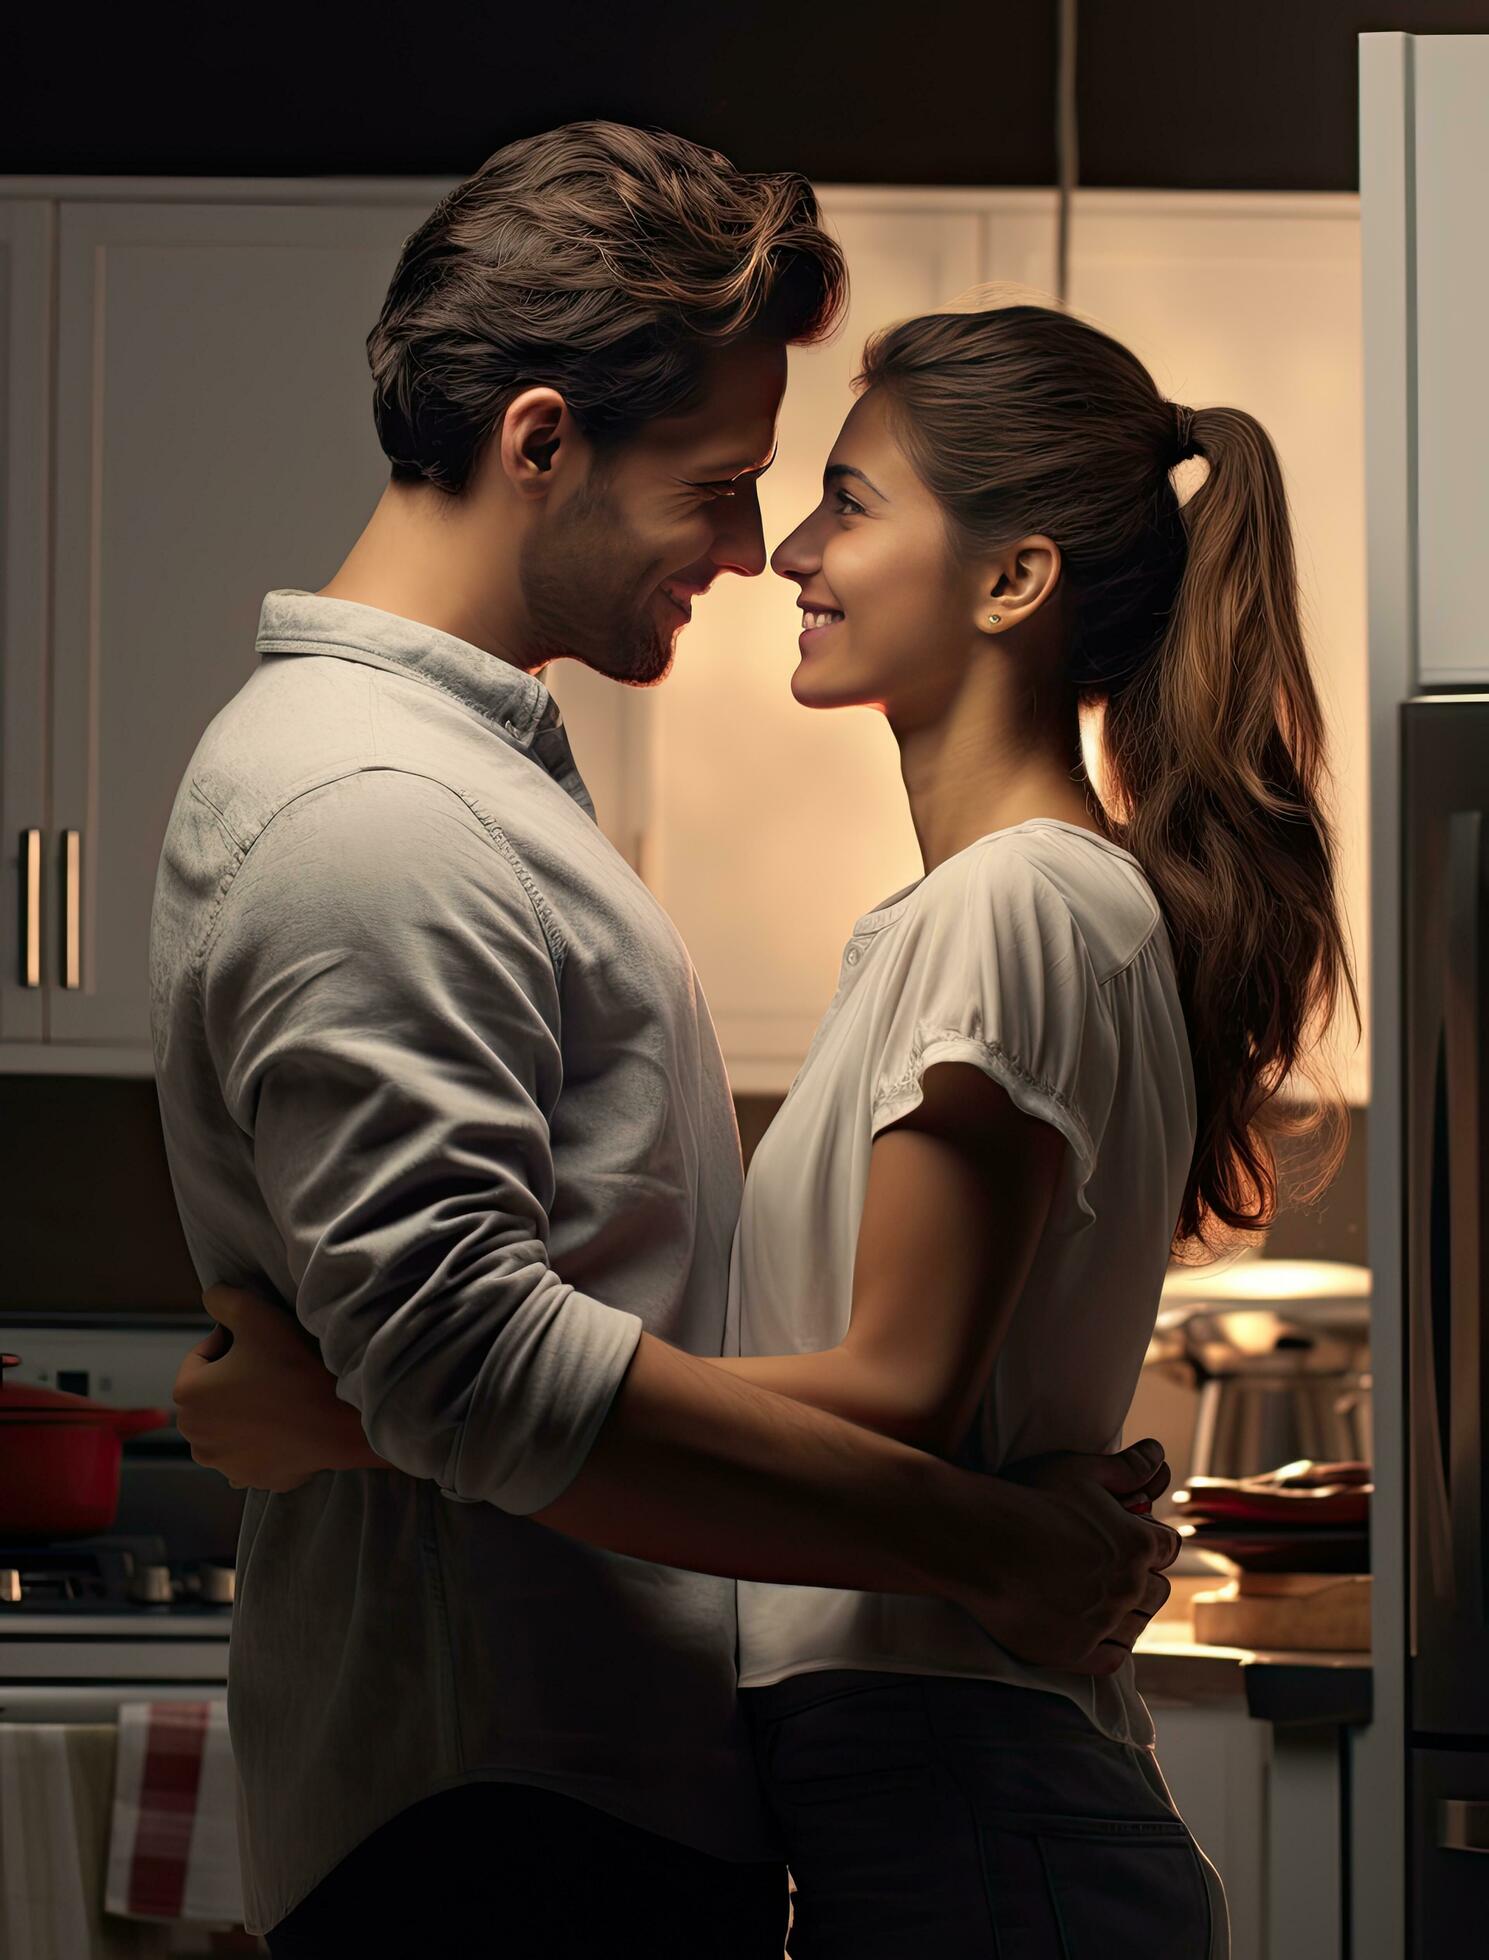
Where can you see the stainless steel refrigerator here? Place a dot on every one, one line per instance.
(1445, 950)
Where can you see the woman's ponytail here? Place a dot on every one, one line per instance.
(1186, 636)
(1214, 774)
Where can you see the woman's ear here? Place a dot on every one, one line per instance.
(1016, 583)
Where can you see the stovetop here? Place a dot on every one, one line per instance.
(132, 1579)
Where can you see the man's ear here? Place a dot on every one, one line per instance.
(536, 430)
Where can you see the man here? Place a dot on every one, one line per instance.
(434, 1068)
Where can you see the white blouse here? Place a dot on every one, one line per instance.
(1039, 955)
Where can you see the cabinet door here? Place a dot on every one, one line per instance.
(214, 441)
(773, 827)
(1216, 1761)
(25, 397)
(1255, 301)
(1451, 291)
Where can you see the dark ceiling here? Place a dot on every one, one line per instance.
(1218, 94)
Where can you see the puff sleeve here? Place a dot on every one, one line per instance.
(993, 970)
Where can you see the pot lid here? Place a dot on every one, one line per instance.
(30, 1402)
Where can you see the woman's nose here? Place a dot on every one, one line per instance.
(791, 558)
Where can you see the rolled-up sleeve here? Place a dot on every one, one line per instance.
(382, 1001)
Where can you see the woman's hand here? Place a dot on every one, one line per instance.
(259, 1404)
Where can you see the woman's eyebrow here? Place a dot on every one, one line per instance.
(847, 469)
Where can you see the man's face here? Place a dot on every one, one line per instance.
(609, 576)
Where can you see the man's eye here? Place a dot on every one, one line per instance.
(717, 489)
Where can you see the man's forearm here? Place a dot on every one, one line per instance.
(698, 1468)
(841, 1382)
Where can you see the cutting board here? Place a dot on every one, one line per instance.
(1306, 1612)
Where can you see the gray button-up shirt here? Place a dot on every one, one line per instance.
(435, 1068)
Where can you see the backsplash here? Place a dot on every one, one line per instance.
(90, 1219)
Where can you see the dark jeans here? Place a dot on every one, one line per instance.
(501, 1870)
(931, 1815)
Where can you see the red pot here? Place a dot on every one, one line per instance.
(59, 1460)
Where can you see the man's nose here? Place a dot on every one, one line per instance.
(739, 545)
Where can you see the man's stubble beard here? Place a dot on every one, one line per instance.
(578, 609)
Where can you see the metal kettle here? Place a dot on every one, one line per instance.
(1278, 1351)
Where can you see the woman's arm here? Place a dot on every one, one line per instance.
(958, 1194)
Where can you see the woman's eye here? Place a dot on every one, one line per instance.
(854, 508)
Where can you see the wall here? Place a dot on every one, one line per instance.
(90, 1219)
(1220, 97)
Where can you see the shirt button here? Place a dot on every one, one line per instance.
(853, 956)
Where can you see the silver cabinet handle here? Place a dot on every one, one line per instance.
(1462, 1825)
(72, 908)
(30, 908)
(1463, 1024)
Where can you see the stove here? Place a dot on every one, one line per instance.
(115, 1577)
(143, 1612)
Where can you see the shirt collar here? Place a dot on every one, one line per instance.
(517, 706)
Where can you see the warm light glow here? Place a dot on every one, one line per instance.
(1092, 714)
(1270, 1279)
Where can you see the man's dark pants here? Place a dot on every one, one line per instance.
(501, 1869)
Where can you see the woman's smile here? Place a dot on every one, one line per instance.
(815, 624)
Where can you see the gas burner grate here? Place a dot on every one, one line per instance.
(108, 1576)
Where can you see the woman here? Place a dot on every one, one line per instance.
(1049, 1062)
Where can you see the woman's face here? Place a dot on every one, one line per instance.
(875, 554)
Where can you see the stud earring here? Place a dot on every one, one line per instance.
(993, 618)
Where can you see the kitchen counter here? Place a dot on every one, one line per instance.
(1311, 1688)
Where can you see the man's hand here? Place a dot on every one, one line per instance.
(258, 1404)
(1089, 1562)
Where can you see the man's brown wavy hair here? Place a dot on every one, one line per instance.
(604, 261)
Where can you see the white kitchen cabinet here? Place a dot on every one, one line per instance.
(26, 243)
(1266, 1799)
(1254, 302)
(214, 439)
(193, 428)
(771, 828)
(1447, 279)
(1215, 1760)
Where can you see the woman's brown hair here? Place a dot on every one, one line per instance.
(1023, 420)
(600, 260)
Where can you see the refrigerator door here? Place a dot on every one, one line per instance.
(1448, 1906)
(1445, 917)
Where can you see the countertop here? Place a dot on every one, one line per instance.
(1313, 1689)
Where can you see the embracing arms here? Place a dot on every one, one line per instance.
(402, 1150)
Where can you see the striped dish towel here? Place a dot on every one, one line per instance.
(44, 1903)
(173, 1850)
